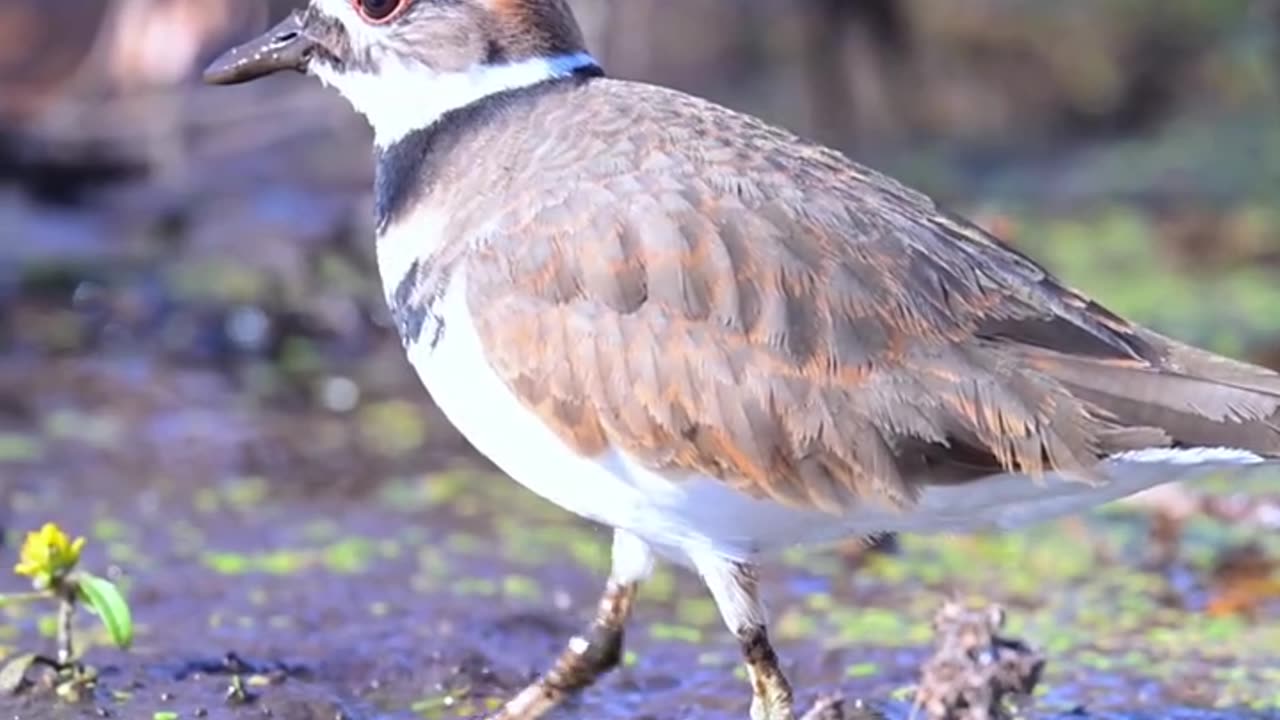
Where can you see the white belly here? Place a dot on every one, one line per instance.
(679, 515)
(488, 414)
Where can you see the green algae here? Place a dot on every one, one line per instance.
(280, 562)
(475, 587)
(439, 706)
(879, 627)
(320, 530)
(795, 624)
(716, 659)
(348, 556)
(675, 633)
(393, 427)
(47, 626)
(245, 493)
(92, 429)
(660, 588)
(466, 543)
(862, 670)
(521, 587)
(698, 611)
(220, 280)
(422, 493)
(107, 529)
(20, 448)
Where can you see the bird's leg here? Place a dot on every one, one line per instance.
(587, 658)
(594, 653)
(771, 693)
(735, 587)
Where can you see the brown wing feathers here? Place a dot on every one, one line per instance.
(1194, 406)
(819, 343)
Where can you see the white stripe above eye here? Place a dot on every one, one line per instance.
(404, 96)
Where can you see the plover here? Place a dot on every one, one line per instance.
(720, 339)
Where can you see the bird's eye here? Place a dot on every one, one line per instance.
(380, 11)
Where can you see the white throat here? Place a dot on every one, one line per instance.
(404, 96)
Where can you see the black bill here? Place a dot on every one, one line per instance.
(283, 47)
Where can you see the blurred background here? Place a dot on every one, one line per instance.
(196, 368)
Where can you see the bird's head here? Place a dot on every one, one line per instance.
(405, 63)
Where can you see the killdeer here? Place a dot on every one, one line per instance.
(720, 339)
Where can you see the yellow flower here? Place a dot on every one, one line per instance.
(48, 554)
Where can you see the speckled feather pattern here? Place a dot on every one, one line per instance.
(656, 274)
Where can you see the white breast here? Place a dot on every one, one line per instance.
(481, 406)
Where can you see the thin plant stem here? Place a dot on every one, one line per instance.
(66, 611)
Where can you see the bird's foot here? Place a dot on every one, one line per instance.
(586, 659)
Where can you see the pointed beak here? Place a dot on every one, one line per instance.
(283, 47)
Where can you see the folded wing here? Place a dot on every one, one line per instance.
(766, 312)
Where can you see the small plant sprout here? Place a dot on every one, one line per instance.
(51, 559)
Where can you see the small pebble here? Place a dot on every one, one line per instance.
(249, 328)
(340, 394)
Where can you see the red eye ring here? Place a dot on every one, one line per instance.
(380, 12)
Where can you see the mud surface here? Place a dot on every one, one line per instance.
(342, 572)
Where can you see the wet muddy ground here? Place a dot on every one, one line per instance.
(319, 559)
(198, 379)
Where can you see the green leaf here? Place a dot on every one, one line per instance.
(104, 598)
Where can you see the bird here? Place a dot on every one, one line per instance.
(720, 339)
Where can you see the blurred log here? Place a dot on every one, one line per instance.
(161, 43)
(51, 49)
(857, 55)
(42, 48)
(851, 73)
(68, 70)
